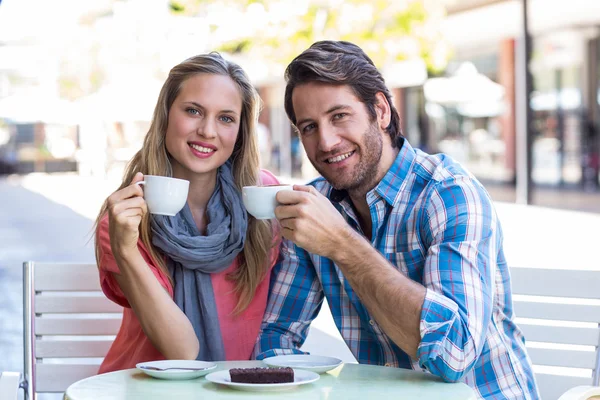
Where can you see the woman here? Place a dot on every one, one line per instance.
(193, 286)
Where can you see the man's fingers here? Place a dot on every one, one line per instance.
(303, 188)
(293, 196)
(285, 211)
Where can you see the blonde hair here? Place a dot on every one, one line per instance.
(153, 159)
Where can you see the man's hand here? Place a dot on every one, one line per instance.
(310, 220)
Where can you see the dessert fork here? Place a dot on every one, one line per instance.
(170, 368)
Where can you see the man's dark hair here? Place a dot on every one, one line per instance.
(341, 63)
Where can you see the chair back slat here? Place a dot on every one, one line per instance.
(77, 326)
(82, 304)
(562, 358)
(559, 312)
(71, 348)
(64, 300)
(66, 277)
(558, 308)
(559, 334)
(56, 378)
(578, 284)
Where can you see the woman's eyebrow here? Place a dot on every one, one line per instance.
(202, 107)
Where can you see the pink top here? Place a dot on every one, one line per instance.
(132, 346)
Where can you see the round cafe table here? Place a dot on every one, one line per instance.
(348, 381)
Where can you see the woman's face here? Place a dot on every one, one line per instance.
(204, 121)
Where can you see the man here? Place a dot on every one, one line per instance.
(406, 246)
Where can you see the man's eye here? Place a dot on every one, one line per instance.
(308, 128)
(339, 116)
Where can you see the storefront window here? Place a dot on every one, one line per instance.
(465, 116)
(557, 109)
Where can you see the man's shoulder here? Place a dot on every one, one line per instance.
(440, 167)
(446, 177)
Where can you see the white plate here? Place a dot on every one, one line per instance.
(308, 362)
(176, 374)
(300, 378)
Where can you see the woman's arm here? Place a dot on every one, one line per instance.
(167, 327)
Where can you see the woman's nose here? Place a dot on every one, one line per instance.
(207, 128)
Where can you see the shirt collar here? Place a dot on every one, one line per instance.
(391, 184)
(389, 187)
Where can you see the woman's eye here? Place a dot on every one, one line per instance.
(192, 111)
(227, 119)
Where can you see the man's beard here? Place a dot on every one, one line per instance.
(364, 175)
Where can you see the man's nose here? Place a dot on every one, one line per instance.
(328, 139)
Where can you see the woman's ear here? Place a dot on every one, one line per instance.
(382, 108)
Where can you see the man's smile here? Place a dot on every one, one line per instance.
(339, 158)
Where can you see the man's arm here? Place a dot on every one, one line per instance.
(295, 298)
(441, 322)
(310, 220)
(463, 234)
(393, 299)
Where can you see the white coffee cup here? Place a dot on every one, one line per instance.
(260, 201)
(164, 195)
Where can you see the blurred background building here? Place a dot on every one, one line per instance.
(77, 90)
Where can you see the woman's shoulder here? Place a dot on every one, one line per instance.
(267, 178)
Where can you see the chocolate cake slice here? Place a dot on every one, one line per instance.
(262, 375)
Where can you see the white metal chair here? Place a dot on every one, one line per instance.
(559, 313)
(69, 326)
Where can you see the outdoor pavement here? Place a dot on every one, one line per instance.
(51, 217)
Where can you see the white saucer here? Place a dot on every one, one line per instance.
(308, 362)
(176, 374)
(300, 378)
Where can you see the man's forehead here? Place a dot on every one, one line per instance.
(317, 95)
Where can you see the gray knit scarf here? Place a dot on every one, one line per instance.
(192, 257)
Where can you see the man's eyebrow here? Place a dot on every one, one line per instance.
(332, 109)
(202, 107)
(337, 108)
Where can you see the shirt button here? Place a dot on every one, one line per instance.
(371, 322)
(388, 365)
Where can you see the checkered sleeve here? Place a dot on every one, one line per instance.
(295, 299)
(459, 225)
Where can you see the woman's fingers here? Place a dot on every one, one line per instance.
(126, 204)
(133, 190)
(138, 177)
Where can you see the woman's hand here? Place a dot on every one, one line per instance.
(126, 208)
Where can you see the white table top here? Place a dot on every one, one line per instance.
(348, 381)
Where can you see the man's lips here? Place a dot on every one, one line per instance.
(339, 157)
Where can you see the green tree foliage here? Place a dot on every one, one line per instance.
(387, 30)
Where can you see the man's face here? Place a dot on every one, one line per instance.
(344, 144)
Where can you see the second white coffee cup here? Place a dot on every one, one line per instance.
(164, 195)
(260, 201)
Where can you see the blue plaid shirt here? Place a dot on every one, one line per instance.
(436, 224)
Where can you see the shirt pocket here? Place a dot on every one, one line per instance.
(410, 263)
